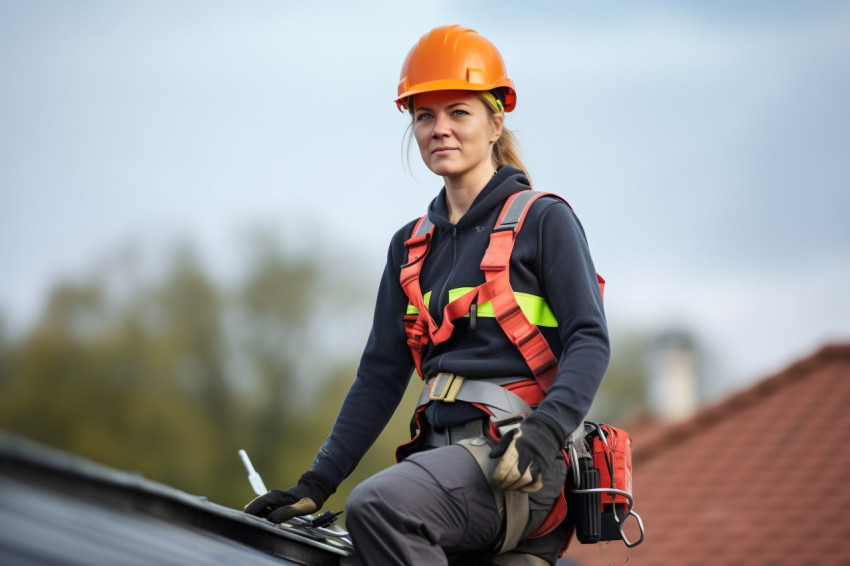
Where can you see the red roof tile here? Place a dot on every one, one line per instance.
(760, 478)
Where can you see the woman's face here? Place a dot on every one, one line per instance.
(455, 133)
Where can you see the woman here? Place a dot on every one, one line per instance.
(444, 502)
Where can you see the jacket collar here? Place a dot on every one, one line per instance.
(507, 181)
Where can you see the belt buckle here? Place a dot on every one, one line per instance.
(444, 387)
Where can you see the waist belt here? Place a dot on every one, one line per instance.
(507, 408)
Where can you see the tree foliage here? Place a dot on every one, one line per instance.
(174, 376)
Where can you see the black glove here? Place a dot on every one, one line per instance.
(280, 505)
(525, 454)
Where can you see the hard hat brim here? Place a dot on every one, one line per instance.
(454, 84)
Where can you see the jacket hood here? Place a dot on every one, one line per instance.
(507, 181)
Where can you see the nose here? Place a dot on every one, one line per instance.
(441, 126)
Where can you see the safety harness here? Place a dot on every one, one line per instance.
(496, 290)
(506, 400)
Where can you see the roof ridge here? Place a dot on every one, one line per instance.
(678, 433)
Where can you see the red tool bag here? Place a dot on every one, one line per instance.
(601, 492)
(612, 456)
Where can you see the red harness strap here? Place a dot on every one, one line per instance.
(421, 327)
(417, 326)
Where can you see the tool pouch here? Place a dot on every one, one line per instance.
(601, 490)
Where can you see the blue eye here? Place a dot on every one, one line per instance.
(423, 116)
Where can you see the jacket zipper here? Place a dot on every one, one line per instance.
(443, 296)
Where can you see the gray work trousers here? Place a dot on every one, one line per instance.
(435, 506)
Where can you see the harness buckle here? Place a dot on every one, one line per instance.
(444, 387)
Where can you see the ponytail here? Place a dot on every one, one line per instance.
(505, 151)
(506, 148)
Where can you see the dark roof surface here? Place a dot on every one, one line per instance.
(58, 509)
(760, 478)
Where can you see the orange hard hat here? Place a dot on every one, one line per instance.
(454, 58)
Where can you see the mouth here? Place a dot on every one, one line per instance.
(442, 150)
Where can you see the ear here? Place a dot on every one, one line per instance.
(496, 124)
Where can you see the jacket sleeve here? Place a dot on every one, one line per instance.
(382, 377)
(571, 287)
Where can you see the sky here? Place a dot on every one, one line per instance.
(704, 146)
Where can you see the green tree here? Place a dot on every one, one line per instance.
(171, 376)
(97, 383)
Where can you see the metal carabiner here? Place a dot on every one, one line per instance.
(640, 526)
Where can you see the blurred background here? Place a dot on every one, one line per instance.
(196, 200)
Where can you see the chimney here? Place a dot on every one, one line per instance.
(672, 384)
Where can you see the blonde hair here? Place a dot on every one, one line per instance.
(506, 148)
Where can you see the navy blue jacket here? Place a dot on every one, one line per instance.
(550, 259)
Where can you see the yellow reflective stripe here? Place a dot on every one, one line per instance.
(535, 308)
(426, 298)
(483, 310)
